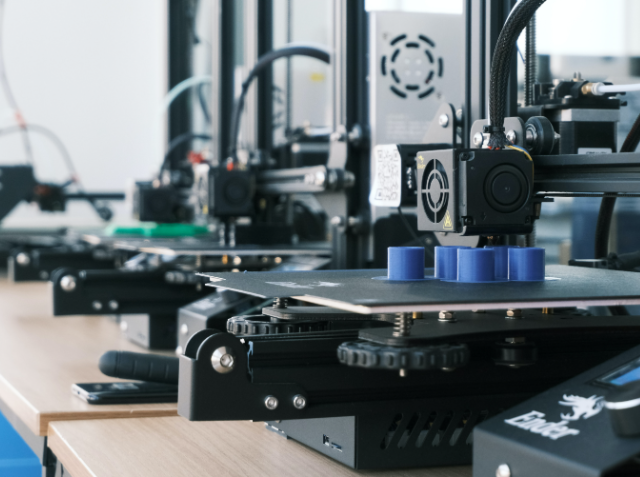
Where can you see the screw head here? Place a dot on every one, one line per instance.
(478, 139)
(299, 401)
(68, 283)
(23, 259)
(514, 313)
(271, 403)
(96, 305)
(503, 470)
(44, 275)
(446, 316)
(443, 120)
(124, 326)
(223, 360)
(184, 329)
(512, 136)
(113, 305)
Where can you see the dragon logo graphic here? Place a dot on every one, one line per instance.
(582, 407)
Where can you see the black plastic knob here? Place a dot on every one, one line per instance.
(623, 407)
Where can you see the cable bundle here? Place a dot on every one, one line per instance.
(500, 66)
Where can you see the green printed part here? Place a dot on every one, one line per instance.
(152, 229)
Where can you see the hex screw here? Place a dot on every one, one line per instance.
(68, 283)
(299, 401)
(478, 139)
(514, 314)
(512, 136)
(443, 120)
(446, 316)
(113, 305)
(503, 470)
(280, 302)
(271, 403)
(96, 305)
(23, 259)
(223, 360)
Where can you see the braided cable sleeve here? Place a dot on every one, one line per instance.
(531, 63)
(500, 66)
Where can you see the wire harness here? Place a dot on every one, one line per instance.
(519, 18)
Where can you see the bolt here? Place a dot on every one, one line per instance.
(271, 403)
(443, 120)
(23, 259)
(280, 302)
(184, 329)
(514, 314)
(478, 139)
(403, 373)
(113, 305)
(503, 470)
(68, 283)
(44, 275)
(299, 401)
(337, 221)
(402, 324)
(445, 315)
(124, 326)
(517, 340)
(96, 305)
(512, 136)
(223, 360)
(179, 350)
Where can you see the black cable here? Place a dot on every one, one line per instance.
(263, 62)
(203, 102)
(66, 157)
(501, 66)
(4, 80)
(605, 215)
(179, 140)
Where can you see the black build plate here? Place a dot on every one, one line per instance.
(358, 292)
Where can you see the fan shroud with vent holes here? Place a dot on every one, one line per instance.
(412, 67)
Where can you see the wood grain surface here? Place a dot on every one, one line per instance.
(42, 356)
(175, 447)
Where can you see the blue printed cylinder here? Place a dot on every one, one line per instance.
(446, 262)
(405, 263)
(526, 264)
(476, 265)
(502, 260)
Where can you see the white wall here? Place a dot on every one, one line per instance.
(94, 72)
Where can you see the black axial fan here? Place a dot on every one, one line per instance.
(435, 191)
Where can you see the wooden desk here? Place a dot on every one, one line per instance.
(173, 446)
(42, 356)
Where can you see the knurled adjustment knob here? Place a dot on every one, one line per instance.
(623, 408)
(364, 354)
(265, 325)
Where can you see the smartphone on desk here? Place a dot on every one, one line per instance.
(136, 392)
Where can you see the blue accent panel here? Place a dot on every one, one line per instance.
(16, 457)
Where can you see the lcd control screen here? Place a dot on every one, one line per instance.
(625, 374)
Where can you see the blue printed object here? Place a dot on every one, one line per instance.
(405, 263)
(502, 260)
(476, 265)
(526, 264)
(446, 262)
